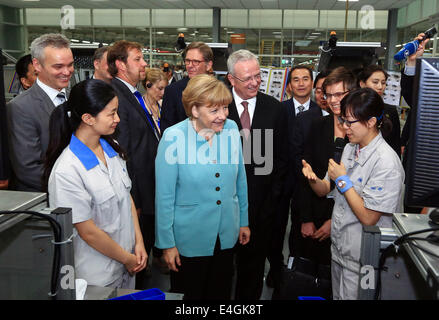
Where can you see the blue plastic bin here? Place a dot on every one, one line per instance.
(150, 294)
(310, 298)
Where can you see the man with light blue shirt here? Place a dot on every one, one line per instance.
(28, 114)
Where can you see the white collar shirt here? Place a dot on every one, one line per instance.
(240, 108)
(297, 104)
(51, 92)
(129, 85)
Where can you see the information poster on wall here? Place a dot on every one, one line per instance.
(273, 82)
(392, 94)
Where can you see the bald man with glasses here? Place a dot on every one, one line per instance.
(198, 59)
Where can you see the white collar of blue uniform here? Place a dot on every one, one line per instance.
(366, 151)
(85, 155)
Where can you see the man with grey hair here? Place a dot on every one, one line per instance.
(101, 65)
(263, 122)
(28, 114)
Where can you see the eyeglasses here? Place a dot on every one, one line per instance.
(346, 122)
(257, 78)
(337, 95)
(194, 62)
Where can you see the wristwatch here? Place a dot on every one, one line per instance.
(343, 183)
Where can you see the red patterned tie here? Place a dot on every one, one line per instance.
(245, 119)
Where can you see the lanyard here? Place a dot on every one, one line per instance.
(148, 116)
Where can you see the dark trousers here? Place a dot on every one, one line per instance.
(250, 260)
(147, 226)
(206, 278)
(280, 223)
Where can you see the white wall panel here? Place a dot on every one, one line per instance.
(235, 18)
(106, 17)
(201, 18)
(301, 19)
(168, 18)
(135, 17)
(43, 17)
(335, 19)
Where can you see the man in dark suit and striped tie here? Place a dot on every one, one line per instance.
(263, 123)
(300, 83)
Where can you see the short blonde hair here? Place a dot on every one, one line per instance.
(153, 75)
(205, 90)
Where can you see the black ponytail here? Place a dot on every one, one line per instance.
(364, 104)
(89, 96)
(61, 128)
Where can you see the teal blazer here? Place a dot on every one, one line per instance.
(201, 190)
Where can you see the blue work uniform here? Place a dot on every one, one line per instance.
(79, 180)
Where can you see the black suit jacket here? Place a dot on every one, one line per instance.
(298, 130)
(394, 137)
(318, 150)
(264, 191)
(407, 92)
(137, 138)
(172, 107)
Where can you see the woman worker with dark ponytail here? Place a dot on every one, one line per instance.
(85, 170)
(368, 183)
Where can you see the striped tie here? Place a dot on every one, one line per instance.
(245, 119)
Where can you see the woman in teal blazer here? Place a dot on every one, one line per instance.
(201, 193)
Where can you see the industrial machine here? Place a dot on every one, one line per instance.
(36, 250)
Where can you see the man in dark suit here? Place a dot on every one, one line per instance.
(138, 135)
(198, 59)
(100, 65)
(28, 113)
(166, 68)
(263, 124)
(26, 72)
(300, 83)
(407, 81)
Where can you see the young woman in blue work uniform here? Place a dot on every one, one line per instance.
(368, 183)
(88, 174)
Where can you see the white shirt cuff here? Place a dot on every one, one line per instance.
(409, 70)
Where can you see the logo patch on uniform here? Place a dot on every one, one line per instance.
(360, 179)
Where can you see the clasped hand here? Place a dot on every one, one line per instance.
(336, 170)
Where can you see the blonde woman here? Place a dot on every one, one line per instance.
(154, 83)
(201, 193)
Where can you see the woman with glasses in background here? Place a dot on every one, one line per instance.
(327, 137)
(375, 77)
(368, 184)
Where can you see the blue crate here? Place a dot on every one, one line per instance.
(310, 298)
(150, 294)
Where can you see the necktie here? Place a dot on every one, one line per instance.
(301, 109)
(245, 119)
(61, 98)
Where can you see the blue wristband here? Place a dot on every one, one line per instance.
(343, 183)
